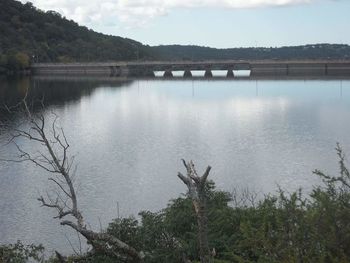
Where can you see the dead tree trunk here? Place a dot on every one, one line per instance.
(196, 188)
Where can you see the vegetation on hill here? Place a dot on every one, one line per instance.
(29, 34)
(319, 51)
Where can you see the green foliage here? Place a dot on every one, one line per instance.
(3, 64)
(318, 51)
(280, 228)
(3, 60)
(331, 212)
(49, 37)
(20, 253)
(22, 59)
(14, 61)
(28, 34)
(127, 229)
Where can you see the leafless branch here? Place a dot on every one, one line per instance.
(196, 189)
(344, 178)
(55, 160)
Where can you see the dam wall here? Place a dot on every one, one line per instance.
(77, 69)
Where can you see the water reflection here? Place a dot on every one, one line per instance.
(129, 138)
(51, 90)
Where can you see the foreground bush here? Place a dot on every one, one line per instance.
(279, 228)
(20, 253)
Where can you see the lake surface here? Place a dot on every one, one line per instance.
(129, 138)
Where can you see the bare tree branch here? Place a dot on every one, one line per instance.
(196, 189)
(57, 163)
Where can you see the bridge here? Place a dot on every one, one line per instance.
(263, 68)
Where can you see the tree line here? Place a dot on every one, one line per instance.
(310, 52)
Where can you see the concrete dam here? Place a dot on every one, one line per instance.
(258, 69)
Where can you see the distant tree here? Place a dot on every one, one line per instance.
(23, 60)
(3, 63)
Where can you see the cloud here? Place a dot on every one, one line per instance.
(140, 12)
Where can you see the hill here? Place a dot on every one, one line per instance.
(30, 34)
(317, 51)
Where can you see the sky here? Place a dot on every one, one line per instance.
(214, 23)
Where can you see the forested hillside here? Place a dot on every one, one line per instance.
(319, 51)
(28, 34)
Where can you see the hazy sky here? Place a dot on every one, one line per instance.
(215, 23)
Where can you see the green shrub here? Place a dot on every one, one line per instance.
(20, 253)
(280, 228)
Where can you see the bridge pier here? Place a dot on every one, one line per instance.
(168, 73)
(208, 73)
(187, 73)
(230, 73)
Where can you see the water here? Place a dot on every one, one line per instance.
(129, 138)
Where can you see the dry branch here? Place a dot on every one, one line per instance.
(197, 192)
(56, 161)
